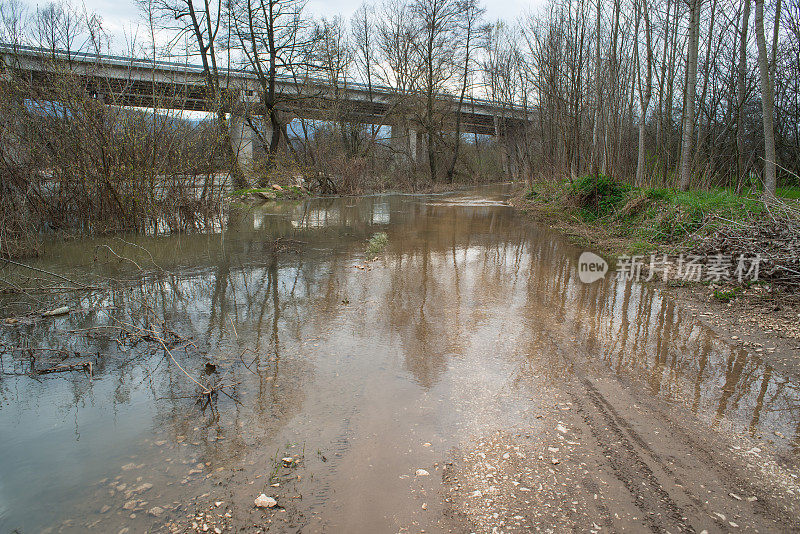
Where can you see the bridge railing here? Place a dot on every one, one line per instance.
(489, 107)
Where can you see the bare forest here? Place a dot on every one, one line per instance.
(660, 93)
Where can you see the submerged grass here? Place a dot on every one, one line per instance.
(376, 244)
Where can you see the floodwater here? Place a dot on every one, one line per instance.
(362, 371)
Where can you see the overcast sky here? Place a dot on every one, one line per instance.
(121, 17)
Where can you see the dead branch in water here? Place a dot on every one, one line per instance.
(43, 271)
(168, 340)
(80, 366)
(115, 255)
(52, 358)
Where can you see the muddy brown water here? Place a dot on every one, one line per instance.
(363, 372)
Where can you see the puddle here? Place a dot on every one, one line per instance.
(461, 327)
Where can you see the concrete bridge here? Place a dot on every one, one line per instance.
(157, 84)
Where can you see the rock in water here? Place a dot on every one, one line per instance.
(422, 473)
(262, 501)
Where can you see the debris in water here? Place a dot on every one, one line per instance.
(422, 473)
(63, 310)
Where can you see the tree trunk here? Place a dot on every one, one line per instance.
(767, 96)
(687, 134)
(645, 94)
(741, 160)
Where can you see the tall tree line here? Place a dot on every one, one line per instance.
(678, 93)
(674, 93)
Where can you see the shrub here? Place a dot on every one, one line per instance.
(598, 196)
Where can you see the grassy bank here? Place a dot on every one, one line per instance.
(616, 218)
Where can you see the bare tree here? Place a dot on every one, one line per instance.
(645, 86)
(363, 30)
(741, 90)
(274, 39)
(689, 97)
(766, 67)
(13, 15)
(199, 21)
(468, 31)
(438, 20)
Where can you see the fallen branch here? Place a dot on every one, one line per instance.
(116, 255)
(43, 271)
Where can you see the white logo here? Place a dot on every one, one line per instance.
(591, 267)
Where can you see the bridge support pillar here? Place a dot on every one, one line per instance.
(507, 139)
(404, 143)
(243, 141)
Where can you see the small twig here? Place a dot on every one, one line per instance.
(117, 255)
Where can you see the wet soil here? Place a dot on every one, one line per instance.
(464, 380)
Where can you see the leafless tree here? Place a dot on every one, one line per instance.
(198, 22)
(766, 67)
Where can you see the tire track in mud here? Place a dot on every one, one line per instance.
(767, 505)
(629, 467)
(713, 475)
(627, 464)
(605, 514)
(701, 457)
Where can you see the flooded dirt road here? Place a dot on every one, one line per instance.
(464, 380)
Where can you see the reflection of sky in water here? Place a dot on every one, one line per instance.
(380, 213)
(318, 218)
(469, 308)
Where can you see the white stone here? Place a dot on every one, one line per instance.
(262, 501)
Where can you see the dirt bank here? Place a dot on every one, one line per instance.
(762, 318)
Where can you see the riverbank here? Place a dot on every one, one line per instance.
(621, 222)
(276, 191)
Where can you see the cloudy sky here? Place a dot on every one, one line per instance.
(121, 17)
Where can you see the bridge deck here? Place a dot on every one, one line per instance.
(161, 84)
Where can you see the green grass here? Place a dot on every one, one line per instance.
(789, 192)
(641, 220)
(376, 244)
(291, 191)
(247, 191)
(598, 196)
(725, 295)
